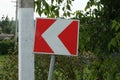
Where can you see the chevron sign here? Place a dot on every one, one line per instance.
(56, 36)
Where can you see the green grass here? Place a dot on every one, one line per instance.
(3, 59)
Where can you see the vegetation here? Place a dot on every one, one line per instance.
(5, 46)
(99, 43)
(9, 68)
(7, 25)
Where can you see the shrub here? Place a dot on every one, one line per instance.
(5, 45)
(10, 66)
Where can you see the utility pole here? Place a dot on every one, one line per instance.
(26, 33)
(16, 22)
(16, 29)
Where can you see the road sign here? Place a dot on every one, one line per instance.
(56, 36)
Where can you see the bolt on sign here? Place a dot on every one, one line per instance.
(56, 36)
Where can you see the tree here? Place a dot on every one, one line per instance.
(99, 34)
(100, 19)
(7, 26)
(52, 8)
(0, 30)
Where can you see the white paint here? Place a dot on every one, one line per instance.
(53, 41)
(26, 33)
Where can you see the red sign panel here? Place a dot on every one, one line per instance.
(56, 36)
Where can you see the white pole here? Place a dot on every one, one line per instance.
(51, 68)
(26, 33)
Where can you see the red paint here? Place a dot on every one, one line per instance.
(69, 37)
(40, 44)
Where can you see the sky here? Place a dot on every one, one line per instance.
(7, 7)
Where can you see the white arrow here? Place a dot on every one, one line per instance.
(51, 36)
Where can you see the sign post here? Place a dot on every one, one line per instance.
(26, 31)
(51, 68)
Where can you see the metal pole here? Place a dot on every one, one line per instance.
(26, 33)
(16, 22)
(51, 69)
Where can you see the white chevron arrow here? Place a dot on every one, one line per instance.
(51, 36)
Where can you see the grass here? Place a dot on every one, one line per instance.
(3, 58)
(8, 67)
